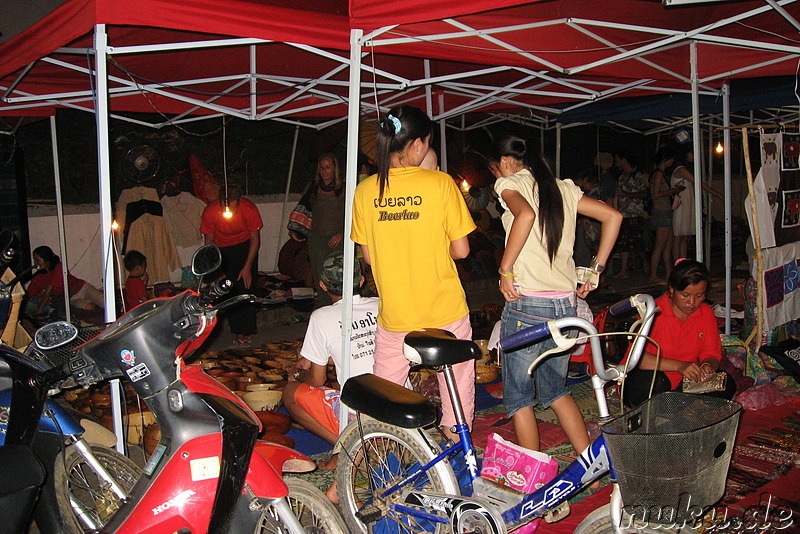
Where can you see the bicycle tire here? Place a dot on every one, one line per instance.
(393, 452)
(74, 478)
(316, 513)
(599, 522)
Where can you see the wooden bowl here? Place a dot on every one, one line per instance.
(261, 401)
(483, 344)
(260, 387)
(486, 373)
(273, 422)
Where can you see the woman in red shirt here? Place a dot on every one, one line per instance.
(686, 330)
(49, 283)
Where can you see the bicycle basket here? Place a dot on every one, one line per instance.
(673, 451)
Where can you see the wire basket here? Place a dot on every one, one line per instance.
(673, 452)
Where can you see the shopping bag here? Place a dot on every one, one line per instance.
(523, 469)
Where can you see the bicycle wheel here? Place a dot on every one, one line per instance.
(599, 522)
(75, 480)
(316, 513)
(387, 455)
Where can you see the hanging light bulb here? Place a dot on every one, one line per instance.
(114, 225)
(227, 213)
(719, 149)
(465, 186)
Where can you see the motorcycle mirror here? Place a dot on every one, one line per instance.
(54, 335)
(6, 247)
(206, 259)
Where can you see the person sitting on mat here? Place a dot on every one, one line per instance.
(687, 332)
(313, 406)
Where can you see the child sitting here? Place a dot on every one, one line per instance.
(136, 284)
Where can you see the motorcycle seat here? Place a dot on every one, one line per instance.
(388, 402)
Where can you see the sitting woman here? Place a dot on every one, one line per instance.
(687, 332)
(48, 284)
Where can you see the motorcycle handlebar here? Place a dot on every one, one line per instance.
(219, 289)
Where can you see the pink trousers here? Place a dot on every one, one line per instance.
(393, 366)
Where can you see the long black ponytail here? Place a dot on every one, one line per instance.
(396, 129)
(551, 205)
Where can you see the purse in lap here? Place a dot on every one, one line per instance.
(715, 382)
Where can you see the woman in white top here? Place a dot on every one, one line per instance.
(683, 224)
(538, 281)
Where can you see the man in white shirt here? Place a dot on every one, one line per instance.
(313, 406)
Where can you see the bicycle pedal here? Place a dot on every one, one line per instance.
(558, 513)
(369, 514)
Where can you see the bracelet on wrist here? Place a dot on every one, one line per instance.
(599, 267)
(506, 274)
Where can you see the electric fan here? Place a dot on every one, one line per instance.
(141, 164)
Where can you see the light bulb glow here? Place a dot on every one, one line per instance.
(114, 225)
(465, 186)
(719, 149)
(227, 213)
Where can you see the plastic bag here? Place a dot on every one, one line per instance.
(517, 467)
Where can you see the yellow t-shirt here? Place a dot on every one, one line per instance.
(408, 234)
(533, 270)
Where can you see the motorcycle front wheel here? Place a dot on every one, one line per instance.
(315, 512)
(85, 500)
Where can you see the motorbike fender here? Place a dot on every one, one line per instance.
(198, 381)
(264, 480)
(283, 459)
(181, 496)
(66, 423)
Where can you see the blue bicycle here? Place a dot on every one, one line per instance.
(394, 477)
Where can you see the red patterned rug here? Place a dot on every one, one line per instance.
(764, 475)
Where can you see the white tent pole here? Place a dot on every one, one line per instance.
(426, 68)
(286, 196)
(726, 136)
(62, 241)
(696, 148)
(351, 178)
(106, 236)
(558, 150)
(253, 84)
(709, 178)
(442, 136)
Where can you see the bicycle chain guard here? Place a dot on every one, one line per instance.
(465, 514)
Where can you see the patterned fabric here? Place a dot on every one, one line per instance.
(633, 182)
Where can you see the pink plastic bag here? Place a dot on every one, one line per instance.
(517, 467)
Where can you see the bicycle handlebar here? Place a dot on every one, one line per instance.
(622, 307)
(540, 331)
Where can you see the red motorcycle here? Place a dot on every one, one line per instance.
(209, 473)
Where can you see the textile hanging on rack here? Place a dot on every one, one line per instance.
(766, 219)
(133, 194)
(780, 284)
(150, 234)
(205, 185)
(136, 210)
(183, 212)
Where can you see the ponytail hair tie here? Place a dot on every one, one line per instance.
(678, 261)
(396, 122)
